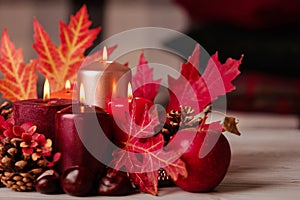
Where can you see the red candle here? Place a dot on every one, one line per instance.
(82, 135)
(120, 107)
(125, 109)
(135, 106)
(40, 112)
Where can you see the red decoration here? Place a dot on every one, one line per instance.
(143, 154)
(143, 83)
(198, 91)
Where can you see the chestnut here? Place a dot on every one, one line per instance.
(77, 181)
(115, 183)
(48, 183)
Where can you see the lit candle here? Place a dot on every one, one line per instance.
(40, 112)
(82, 133)
(122, 109)
(118, 107)
(65, 93)
(99, 77)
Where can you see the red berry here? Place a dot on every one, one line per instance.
(206, 168)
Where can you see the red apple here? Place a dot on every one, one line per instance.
(207, 159)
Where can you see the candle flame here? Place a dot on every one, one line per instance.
(114, 87)
(46, 93)
(81, 94)
(68, 85)
(81, 97)
(104, 55)
(129, 92)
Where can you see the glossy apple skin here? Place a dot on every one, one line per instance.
(207, 172)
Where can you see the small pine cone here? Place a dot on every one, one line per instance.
(4, 110)
(171, 127)
(175, 118)
(187, 117)
(163, 179)
(18, 181)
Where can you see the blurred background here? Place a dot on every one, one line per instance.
(267, 32)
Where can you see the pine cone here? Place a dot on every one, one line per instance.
(187, 117)
(16, 172)
(5, 111)
(163, 179)
(171, 127)
(20, 181)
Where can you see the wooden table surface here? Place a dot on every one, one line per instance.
(265, 165)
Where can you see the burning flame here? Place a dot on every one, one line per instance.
(104, 55)
(46, 93)
(81, 97)
(113, 87)
(129, 92)
(68, 85)
(81, 94)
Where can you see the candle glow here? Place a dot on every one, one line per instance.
(104, 55)
(46, 93)
(129, 92)
(81, 97)
(68, 85)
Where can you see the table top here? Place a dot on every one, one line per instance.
(265, 165)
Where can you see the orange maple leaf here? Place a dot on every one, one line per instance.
(19, 79)
(61, 63)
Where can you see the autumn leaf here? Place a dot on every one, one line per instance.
(142, 82)
(143, 154)
(230, 125)
(198, 91)
(216, 73)
(19, 79)
(61, 63)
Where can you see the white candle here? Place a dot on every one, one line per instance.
(103, 78)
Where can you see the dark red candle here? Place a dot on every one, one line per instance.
(82, 135)
(40, 112)
(136, 107)
(123, 110)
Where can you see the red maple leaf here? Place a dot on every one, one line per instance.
(144, 154)
(143, 83)
(19, 79)
(198, 91)
(61, 63)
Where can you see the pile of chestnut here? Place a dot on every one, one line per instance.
(80, 181)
